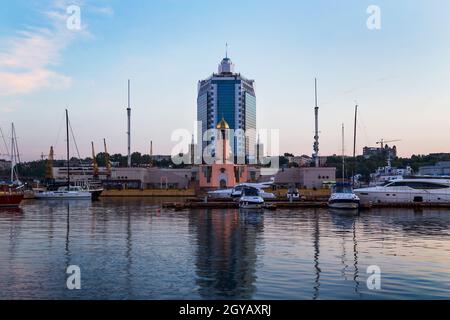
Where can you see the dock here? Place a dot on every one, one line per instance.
(282, 204)
(273, 205)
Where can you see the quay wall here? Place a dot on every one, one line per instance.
(149, 193)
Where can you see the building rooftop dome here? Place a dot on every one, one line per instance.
(223, 124)
(226, 66)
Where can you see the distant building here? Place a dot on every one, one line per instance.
(5, 165)
(259, 147)
(303, 177)
(439, 169)
(301, 161)
(159, 158)
(386, 151)
(229, 95)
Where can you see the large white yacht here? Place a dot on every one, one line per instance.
(427, 190)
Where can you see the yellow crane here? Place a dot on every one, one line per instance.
(107, 162)
(94, 162)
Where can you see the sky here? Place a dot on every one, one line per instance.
(398, 74)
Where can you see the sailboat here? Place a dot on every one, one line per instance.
(11, 194)
(342, 196)
(68, 191)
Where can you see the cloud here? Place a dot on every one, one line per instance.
(14, 83)
(107, 11)
(27, 60)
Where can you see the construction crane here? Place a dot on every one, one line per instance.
(382, 142)
(94, 162)
(107, 162)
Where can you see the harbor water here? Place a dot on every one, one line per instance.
(133, 249)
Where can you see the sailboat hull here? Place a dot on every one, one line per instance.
(63, 195)
(10, 200)
(344, 204)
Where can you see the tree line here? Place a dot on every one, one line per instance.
(360, 165)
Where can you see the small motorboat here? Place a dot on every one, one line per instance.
(251, 199)
(293, 194)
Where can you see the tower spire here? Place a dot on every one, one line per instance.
(226, 50)
(129, 127)
(316, 133)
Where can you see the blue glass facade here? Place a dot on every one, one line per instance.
(229, 95)
(202, 110)
(226, 101)
(250, 111)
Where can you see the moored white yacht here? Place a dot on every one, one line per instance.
(407, 191)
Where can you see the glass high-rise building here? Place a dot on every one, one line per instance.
(229, 95)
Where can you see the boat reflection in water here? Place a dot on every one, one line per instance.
(227, 242)
(345, 221)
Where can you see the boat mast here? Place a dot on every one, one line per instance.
(354, 146)
(68, 153)
(343, 156)
(12, 153)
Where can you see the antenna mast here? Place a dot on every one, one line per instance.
(316, 136)
(129, 126)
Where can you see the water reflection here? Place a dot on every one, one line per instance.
(15, 216)
(346, 221)
(226, 252)
(131, 249)
(67, 250)
(316, 243)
